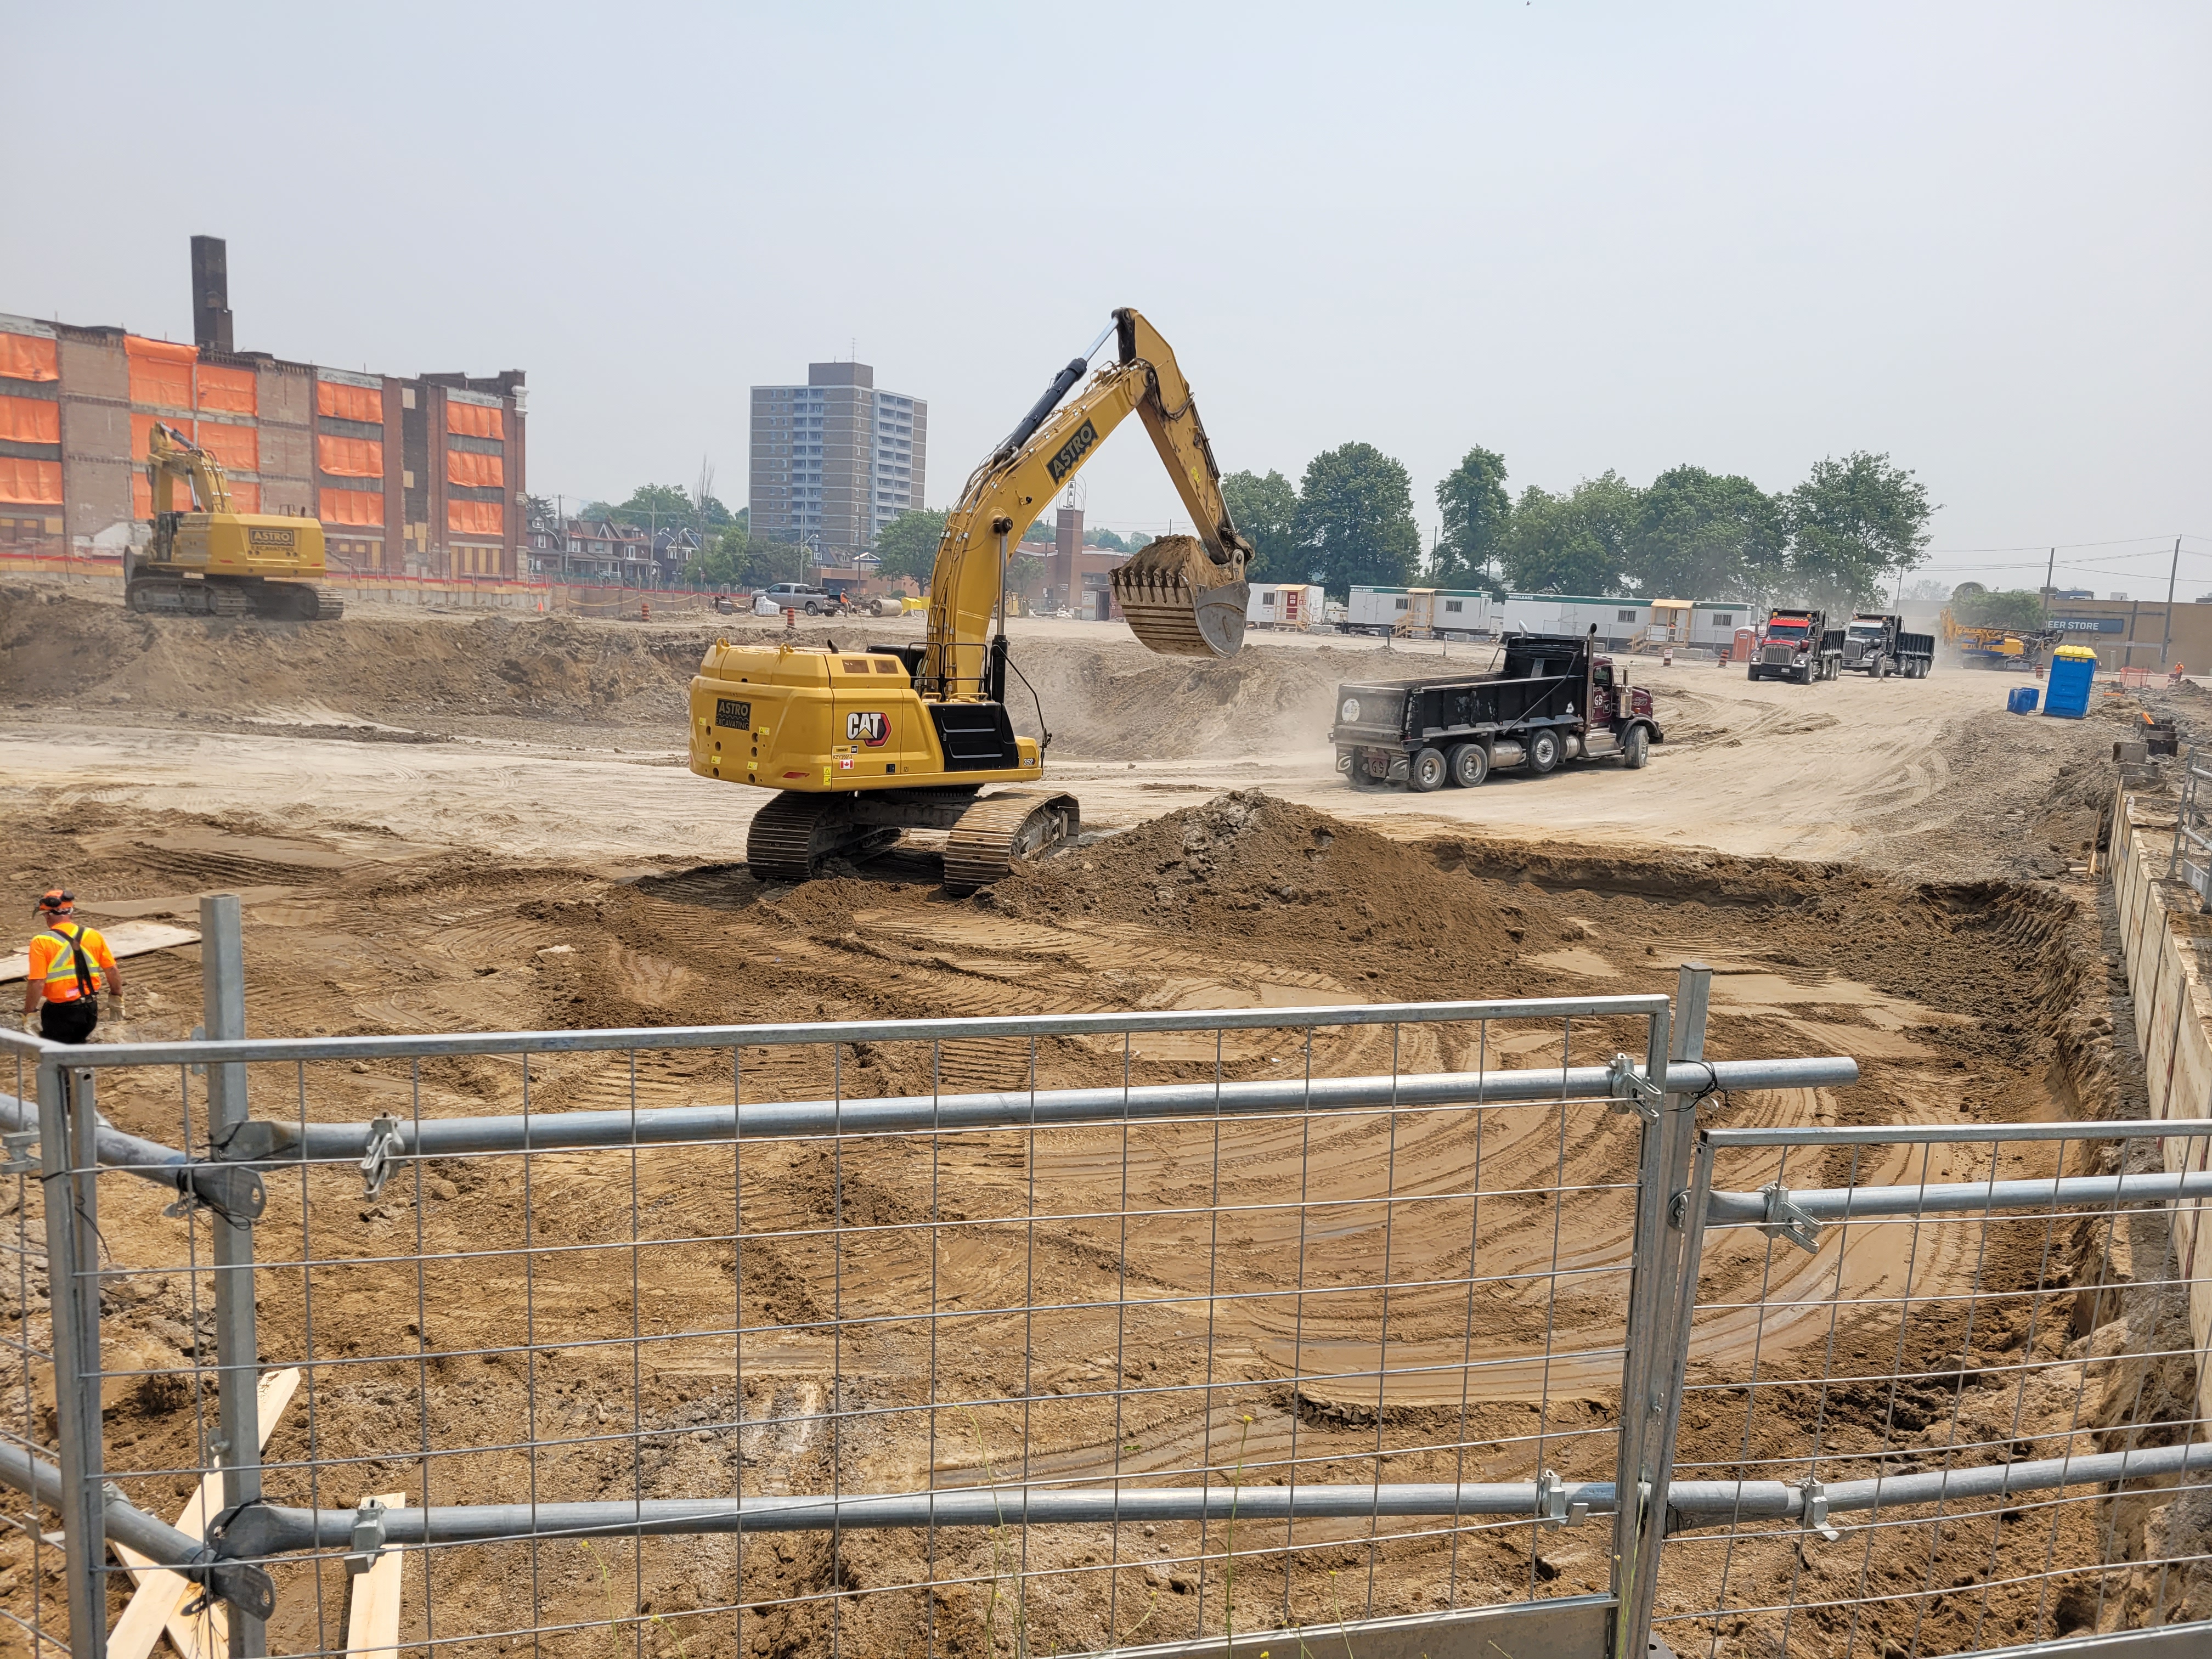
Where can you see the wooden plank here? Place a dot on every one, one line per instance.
(159, 1602)
(126, 939)
(373, 1616)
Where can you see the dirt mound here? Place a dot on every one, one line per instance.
(1123, 702)
(65, 650)
(1248, 867)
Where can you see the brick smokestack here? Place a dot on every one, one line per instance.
(1067, 542)
(211, 295)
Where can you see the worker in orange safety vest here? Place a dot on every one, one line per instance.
(69, 965)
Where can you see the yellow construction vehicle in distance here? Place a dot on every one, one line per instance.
(212, 561)
(865, 743)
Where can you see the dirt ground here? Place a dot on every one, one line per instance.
(447, 823)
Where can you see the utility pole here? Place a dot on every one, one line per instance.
(2172, 571)
(2049, 565)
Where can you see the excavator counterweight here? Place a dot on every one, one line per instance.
(864, 745)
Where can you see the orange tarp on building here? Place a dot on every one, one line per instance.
(30, 484)
(475, 420)
(28, 357)
(351, 506)
(477, 472)
(476, 518)
(246, 498)
(30, 421)
(349, 403)
(230, 389)
(235, 449)
(349, 457)
(160, 372)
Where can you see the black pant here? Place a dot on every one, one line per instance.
(69, 1022)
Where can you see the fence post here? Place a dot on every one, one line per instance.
(237, 1345)
(1651, 1375)
(68, 1166)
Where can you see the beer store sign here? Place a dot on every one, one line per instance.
(2090, 624)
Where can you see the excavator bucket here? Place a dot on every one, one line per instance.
(1181, 603)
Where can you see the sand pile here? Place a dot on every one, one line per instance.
(1246, 868)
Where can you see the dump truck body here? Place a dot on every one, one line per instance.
(1553, 701)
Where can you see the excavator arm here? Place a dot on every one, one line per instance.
(1051, 444)
(172, 457)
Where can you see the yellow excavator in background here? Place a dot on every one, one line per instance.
(212, 561)
(862, 744)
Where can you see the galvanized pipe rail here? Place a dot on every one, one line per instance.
(265, 1530)
(267, 1140)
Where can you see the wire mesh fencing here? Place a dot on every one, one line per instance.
(1041, 1333)
(1941, 1391)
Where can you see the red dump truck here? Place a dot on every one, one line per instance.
(1800, 645)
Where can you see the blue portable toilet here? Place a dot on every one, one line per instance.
(2073, 672)
(2021, 700)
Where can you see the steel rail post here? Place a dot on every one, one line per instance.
(238, 1349)
(1658, 1348)
(68, 1171)
(1632, 1470)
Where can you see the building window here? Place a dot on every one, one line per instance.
(1624, 616)
(1400, 606)
(1453, 605)
(1725, 619)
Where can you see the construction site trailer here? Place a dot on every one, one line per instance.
(1618, 619)
(1420, 611)
(1285, 604)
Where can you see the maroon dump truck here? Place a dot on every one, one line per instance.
(1797, 645)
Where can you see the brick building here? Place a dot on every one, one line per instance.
(421, 476)
(835, 460)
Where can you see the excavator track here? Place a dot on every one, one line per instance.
(175, 597)
(793, 834)
(1004, 830)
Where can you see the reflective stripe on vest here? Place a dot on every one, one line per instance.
(57, 977)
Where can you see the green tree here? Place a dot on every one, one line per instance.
(1576, 542)
(1698, 535)
(1137, 539)
(1852, 524)
(1355, 521)
(2015, 608)
(906, 546)
(1476, 513)
(1105, 539)
(657, 504)
(1267, 511)
(732, 558)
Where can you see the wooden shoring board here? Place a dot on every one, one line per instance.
(159, 1602)
(373, 1614)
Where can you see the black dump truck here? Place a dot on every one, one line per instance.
(1879, 646)
(1555, 701)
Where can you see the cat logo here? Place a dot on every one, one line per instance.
(1072, 452)
(873, 729)
(269, 538)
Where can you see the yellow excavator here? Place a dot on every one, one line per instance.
(861, 744)
(212, 561)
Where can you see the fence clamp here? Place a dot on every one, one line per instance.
(1553, 1509)
(18, 1143)
(368, 1538)
(385, 1144)
(1785, 1220)
(1816, 1509)
(1631, 1090)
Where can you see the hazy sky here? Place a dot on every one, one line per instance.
(1588, 236)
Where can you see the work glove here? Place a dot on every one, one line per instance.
(30, 1024)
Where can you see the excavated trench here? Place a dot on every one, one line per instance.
(1984, 1001)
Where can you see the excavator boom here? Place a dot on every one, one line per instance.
(1175, 605)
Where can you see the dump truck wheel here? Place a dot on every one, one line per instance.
(1427, 772)
(1636, 747)
(1469, 764)
(1544, 751)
